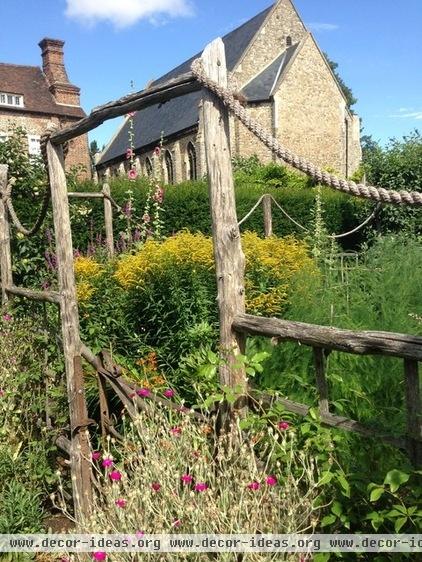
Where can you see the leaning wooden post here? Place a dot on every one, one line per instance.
(108, 219)
(80, 446)
(268, 217)
(228, 254)
(5, 251)
(414, 411)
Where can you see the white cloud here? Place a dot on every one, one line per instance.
(409, 114)
(123, 13)
(321, 26)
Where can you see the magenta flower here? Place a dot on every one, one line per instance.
(129, 153)
(7, 317)
(99, 555)
(139, 534)
(176, 523)
(121, 502)
(107, 462)
(186, 479)
(169, 393)
(156, 486)
(132, 174)
(96, 455)
(254, 485)
(283, 425)
(115, 475)
(176, 430)
(143, 392)
(271, 480)
(201, 487)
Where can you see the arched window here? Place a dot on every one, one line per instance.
(289, 42)
(193, 175)
(148, 167)
(169, 167)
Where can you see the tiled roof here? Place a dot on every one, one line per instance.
(30, 82)
(181, 113)
(262, 86)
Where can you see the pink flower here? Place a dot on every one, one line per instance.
(115, 475)
(156, 486)
(143, 392)
(201, 487)
(176, 430)
(146, 218)
(107, 462)
(157, 151)
(121, 502)
(139, 534)
(132, 395)
(96, 455)
(132, 174)
(129, 153)
(254, 485)
(271, 480)
(7, 317)
(283, 425)
(2, 392)
(176, 523)
(99, 555)
(186, 478)
(169, 393)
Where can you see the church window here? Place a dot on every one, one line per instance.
(169, 167)
(148, 167)
(289, 42)
(193, 174)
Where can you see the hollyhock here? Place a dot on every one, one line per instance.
(169, 393)
(271, 480)
(143, 392)
(283, 425)
(129, 153)
(96, 455)
(186, 478)
(201, 487)
(132, 174)
(115, 475)
(121, 502)
(157, 151)
(254, 485)
(155, 486)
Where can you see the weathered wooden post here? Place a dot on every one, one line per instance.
(228, 254)
(108, 219)
(5, 251)
(268, 216)
(414, 411)
(80, 446)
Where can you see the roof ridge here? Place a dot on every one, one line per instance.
(20, 65)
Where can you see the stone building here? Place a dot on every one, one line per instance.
(30, 97)
(276, 64)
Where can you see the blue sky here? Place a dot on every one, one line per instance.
(109, 43)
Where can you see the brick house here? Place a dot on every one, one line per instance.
(30, 97)
(276, 64)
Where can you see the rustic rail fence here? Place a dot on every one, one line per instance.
(235, 325)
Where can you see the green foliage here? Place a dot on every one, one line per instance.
(21, 509)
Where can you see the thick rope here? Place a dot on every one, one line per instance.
(378, 194)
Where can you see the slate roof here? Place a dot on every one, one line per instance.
(31, 82)
(179, 114)
(262, 86)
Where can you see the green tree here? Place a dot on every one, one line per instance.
(347, 91)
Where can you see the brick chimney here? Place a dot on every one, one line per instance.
(53, 67)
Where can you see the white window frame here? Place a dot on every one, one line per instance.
(31, 150)
(11, 100)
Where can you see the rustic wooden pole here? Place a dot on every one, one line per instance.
(228, 254)
(5, 251)
(108, 219)
(80, 446)
(321, 381)
(414, 411)
(268, 217)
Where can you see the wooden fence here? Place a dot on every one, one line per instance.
(235, 325)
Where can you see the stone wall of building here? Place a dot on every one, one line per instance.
(36, 124)
(311, 112)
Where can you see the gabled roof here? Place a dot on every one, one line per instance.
(181, 113)
(263, 85)
(31, 83)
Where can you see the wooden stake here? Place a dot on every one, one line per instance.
(228, 254)
(321, 381)
(268, 217)
(5, 251)
(108, 219)
(80, 446)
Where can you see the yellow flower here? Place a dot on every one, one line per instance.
(84, 291)
(86, 268)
